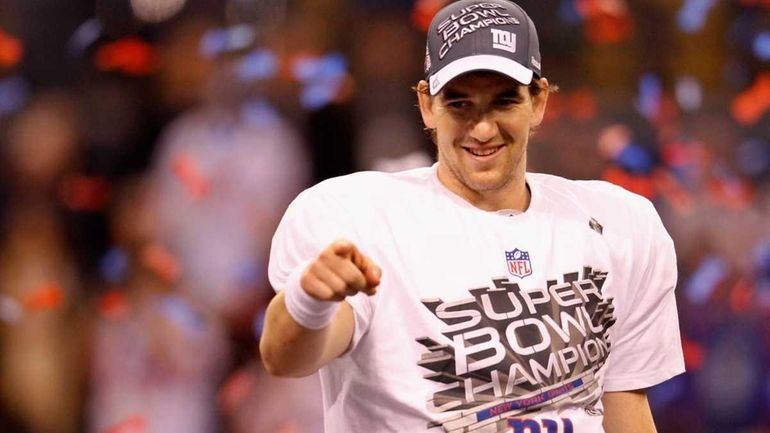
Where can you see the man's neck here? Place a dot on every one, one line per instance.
(515, 195)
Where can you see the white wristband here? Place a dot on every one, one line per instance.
(306, 310)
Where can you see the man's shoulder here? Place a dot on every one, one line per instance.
(586, 191)
(608, 203)
(371, 183)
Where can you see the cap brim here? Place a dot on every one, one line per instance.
(482, 62)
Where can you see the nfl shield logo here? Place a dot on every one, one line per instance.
(518, 263)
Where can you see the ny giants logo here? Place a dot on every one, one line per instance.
(503, 40)
(519, 264)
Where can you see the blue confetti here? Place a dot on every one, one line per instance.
(259, 113)
(114, 266)
(753, 157)
(325, 68)
(569, 14)
(217, 41)
(636, 159)
(761, 46)
(14, 93)
(85, 35)
(650, 90)
(179, 312)
(322, 78)
(691, 18)
(689, 93)
(705, 279)
(258, 324)
(257, 65)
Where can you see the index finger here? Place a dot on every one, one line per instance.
(372, 273)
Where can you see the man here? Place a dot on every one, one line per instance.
(473, 296)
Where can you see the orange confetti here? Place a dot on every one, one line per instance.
(582, 105)
(85, 193)
(11, 50)
(47, 296)
(694, 354)
(236, 389)
(750, 105)
(133, 424)
(113, 305)
(741, 295)
(130, 55)
(160, 260)
(556, 106)
(194, 181)
(642, 185)
(423, 12)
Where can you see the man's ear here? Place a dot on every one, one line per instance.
(539, 102)
(425, 100)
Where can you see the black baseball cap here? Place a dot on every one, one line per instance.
(475, 35)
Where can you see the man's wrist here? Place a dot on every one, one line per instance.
(307, 311)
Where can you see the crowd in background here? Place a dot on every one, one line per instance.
(149, 148)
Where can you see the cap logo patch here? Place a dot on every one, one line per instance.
(471, 18)
(503, 40)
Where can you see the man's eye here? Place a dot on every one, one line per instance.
(457, 104)
(506, 102)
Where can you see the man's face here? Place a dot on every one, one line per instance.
(482, 122)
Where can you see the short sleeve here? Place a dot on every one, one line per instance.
(646, 346)
(312, 222)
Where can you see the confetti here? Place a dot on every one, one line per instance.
(14, 93)
(130, 55)
(113, 305)
(704, 281)
(694, 354)
(155, 11)
(179, 312)
(11, 310)
(85, 36)
(607, 21)
(257, 65)
(582, 105)
(236, 389)
(689, 93)
(749, 106)
(692, 16)
(230, 39)
(133, 424)
(47, 296)
(114, 265)
(761, 45)
(423, 12)
(159, 260)
(11, 50)
(194, 181)
(85, 193)
(648, 100)
(741, 295)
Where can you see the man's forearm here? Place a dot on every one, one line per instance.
(290, 350)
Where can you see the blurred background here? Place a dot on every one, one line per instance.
(149, 148)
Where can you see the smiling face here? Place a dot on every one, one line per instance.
(482, 122)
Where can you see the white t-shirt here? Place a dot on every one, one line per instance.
(489, 321)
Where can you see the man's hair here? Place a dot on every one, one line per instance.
(535, 87)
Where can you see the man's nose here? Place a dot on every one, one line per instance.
(484, 128)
